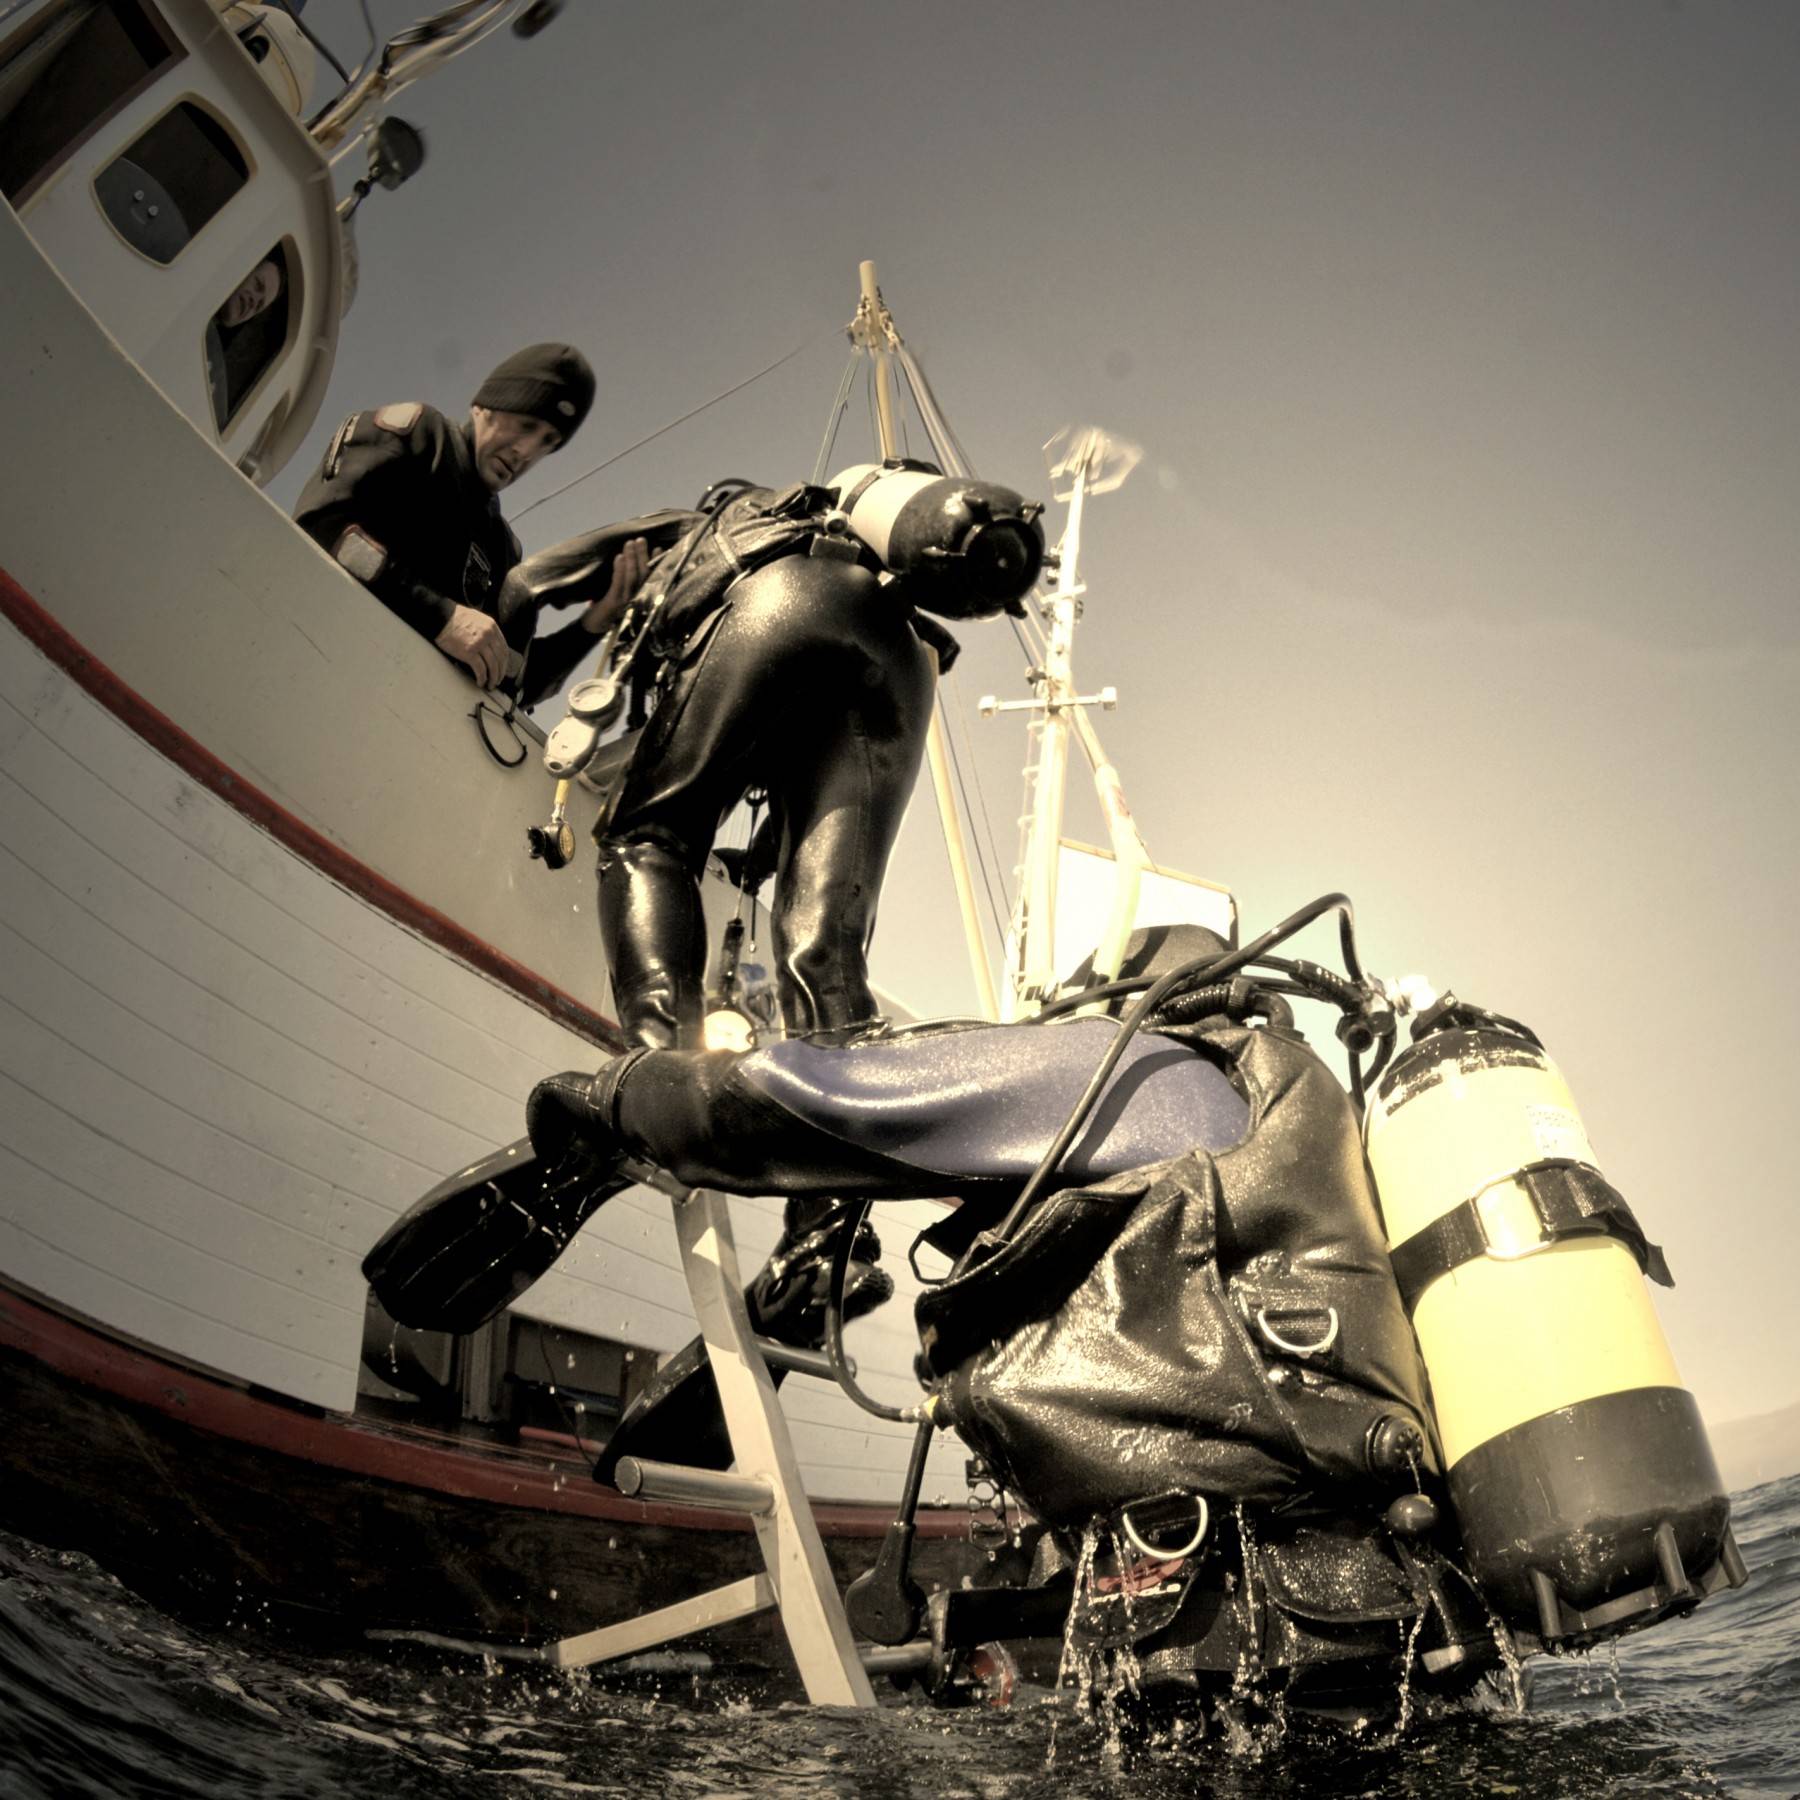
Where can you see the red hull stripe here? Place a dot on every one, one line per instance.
(386, 1453)
(163, 735)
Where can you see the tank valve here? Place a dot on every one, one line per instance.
(1396, 1446)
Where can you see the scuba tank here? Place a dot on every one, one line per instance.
(1577, 1464)
(972, 548)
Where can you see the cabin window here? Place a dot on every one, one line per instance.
(250, 330)
(65, 75)
(170, 181)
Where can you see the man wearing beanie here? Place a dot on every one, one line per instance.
(408, 502)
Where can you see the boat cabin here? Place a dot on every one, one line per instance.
(157, 153)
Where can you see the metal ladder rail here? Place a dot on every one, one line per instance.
(796, 1577)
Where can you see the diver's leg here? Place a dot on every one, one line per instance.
(654, 935)
(842, 789)
(687, 772)
(843, 792)
(687, 1098)
(887, 1119)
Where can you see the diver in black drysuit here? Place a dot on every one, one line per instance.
(811, 682)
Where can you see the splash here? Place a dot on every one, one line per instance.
(1404, 1706)
(1511, 1667)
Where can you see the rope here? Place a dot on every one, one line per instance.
(738, 388)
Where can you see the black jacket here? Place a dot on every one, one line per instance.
(398, 502)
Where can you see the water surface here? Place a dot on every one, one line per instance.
(102, 1695)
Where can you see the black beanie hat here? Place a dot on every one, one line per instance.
(552, 382)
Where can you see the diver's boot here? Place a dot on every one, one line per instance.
(653, 931)
(788, 1296)
(569, 1119)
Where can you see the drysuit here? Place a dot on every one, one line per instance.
(397, 501)
(811, 683)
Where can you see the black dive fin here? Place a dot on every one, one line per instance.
(480, 1238)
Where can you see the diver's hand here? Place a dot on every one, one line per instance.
(628, 570)
(477, 643)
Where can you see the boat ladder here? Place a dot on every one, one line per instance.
(765, 1487)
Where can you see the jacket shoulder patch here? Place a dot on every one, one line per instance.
(365, 557)
(401, 417)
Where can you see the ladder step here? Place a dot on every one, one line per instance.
(645, 1480)
(896, 1659)
(798, 1362)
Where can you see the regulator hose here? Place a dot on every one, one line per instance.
(1215, 969)
(841, 1253)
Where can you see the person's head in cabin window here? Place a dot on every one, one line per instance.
(256, 293)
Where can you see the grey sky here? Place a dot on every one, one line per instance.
(1461, 570)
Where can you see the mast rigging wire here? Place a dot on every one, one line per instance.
(362, 68)
(937, 427)
(988, 877)
(954, 460)
(839, 406)
(951, 456)
(694, 412)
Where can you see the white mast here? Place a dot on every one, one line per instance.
(1091, 463)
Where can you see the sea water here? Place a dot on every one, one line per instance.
(102, 1695)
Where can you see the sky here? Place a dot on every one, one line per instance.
(1461, 569)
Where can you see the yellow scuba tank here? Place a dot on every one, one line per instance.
(1577, 1464)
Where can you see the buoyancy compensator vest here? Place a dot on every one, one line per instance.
(1578, 1467)
(755, 525)
(1223, 1324)
(962, 548)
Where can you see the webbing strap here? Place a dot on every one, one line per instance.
(862, 487)
(1571, 1199)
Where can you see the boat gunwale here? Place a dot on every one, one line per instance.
(39, 626)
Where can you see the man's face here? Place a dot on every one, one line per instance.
(509, 443)
(254, 294)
